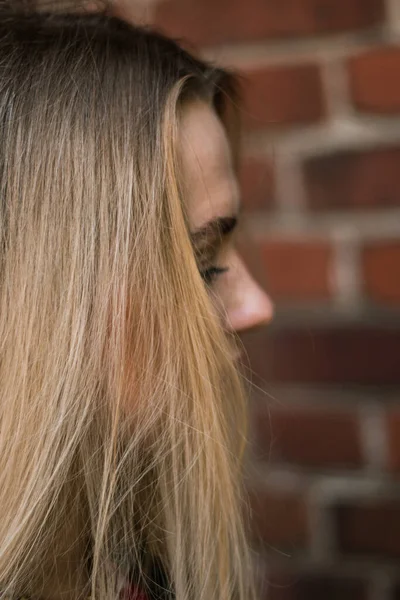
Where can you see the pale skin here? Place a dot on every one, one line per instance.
(211, 190)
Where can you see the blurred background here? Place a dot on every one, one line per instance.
(321, 186)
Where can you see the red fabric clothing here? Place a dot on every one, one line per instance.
(132, 592)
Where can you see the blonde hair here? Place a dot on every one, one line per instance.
(121, 412)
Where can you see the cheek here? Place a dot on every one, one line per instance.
(229, 289)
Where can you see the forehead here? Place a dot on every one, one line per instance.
(209, 182)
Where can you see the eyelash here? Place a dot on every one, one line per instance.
(211, 274)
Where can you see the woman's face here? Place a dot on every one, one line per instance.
(213, 203)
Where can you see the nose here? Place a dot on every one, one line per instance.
(256, 309)
(249, 305)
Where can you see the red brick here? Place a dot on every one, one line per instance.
(381, 271)
(352, 354)
(257, 183)
(314, 587)
(354, 180)
(371, 528)
(279, 518)
(312, 438)
(219, 21)
(393, 431)
(298, 270)
(282, 95)
(375, 82)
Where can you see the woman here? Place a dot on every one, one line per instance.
(122, 410)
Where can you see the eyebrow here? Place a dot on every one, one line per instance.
(207, 240)
(218, 227)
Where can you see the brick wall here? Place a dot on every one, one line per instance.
(321, 182)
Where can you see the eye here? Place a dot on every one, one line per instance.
(211, 274)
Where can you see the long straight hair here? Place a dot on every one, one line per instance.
(121, 410)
